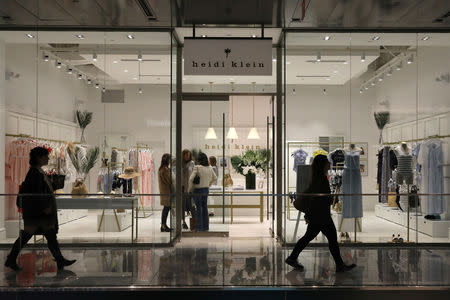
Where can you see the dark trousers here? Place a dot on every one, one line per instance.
(329, 230)
(24, 237)
(165, 213)
(201, 203)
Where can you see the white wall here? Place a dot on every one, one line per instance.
(41, 88)
(409, 94)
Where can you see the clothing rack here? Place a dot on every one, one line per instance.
(38, 138)
(419, 140)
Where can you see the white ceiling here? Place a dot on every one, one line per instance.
(301, 48)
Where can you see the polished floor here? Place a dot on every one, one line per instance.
(226, 262)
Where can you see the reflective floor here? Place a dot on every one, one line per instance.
(229, 262)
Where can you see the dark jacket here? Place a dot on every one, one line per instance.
(34, 206)
(165, 185)
(319, 206)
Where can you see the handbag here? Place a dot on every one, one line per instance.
(227, 180)
(79, 188)
(196, 178)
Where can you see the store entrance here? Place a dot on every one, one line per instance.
(235, 132)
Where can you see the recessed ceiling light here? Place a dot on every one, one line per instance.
(135, 78)
(335, 71)
(426, 38)
(114, 61)
(129, 36)
(30, 36)
(376, 38)
(328, 78)
(327, 38)
(203, 35)
(126, 71)
(253, 35)
(80, 36)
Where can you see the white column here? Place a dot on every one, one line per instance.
(2, 137)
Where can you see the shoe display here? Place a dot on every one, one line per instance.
(65, 263)
(294, 263)
(345, 268)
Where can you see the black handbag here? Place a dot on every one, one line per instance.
(196, 178)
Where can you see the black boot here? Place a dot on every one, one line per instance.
(22, 240)
(53, 246)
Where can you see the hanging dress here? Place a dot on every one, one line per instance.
(351, 184)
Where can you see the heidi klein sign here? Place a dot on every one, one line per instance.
(244, 57)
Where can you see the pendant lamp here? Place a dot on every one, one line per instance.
(210, 133)
(232, 134)
(253, 134)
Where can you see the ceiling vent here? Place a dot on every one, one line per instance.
(146, 9)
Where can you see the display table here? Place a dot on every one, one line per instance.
(239, 195)
(433, 228)
(114, 203)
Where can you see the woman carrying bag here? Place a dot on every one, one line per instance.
(165, 189)
(201, 179)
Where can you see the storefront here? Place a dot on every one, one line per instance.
(375, 103)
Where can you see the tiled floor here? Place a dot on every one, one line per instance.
(220, 262)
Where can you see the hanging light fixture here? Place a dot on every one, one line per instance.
(232, 134)
(253, 134)
(210, 133)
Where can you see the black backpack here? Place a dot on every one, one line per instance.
(303, 202)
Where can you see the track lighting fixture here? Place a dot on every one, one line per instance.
(69, 71)
(319, 57)
(30, 36)
(139, 57)
(389, 73)
(372, 83)
(140, 91)
(376, 38)
(327, 38)
(58, 64)
(46, 57)
(363, 57)
(293, 91)
(88, 81)
(130, 36)
(426, 38)
(97, 85)
(80, 36)
(103, 89)
(410, 59)
(361, 91)
(399, 66)
(380, 78)
(366, 87)
(80, 76)
(94, 57)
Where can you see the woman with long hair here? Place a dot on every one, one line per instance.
(187, 166)
(318, 216)
(165, 189)
(201, 191)
(39, 211)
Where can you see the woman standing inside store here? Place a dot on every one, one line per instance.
(165, 189)
(318, 216)
(213, 164)
(187, 168)
(39, 211)
(201, 179)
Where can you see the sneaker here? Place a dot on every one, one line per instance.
(345, 268)
(12, 265)
(65, 263)
(294, 263)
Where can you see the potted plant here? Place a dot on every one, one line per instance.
(83, 162)
(250, 164)
(84, 118)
